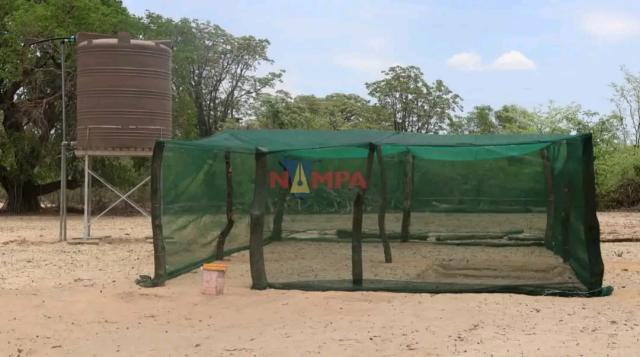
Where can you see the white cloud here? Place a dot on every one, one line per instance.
(610, 26)
(509, 61)
(370, 64)
(377, 44)
(513, 60)
(466, 61)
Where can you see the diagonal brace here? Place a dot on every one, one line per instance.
(122, 196)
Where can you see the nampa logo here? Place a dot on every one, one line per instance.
(298, 171)
(301, 180)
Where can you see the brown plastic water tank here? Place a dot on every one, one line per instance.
(123, 95)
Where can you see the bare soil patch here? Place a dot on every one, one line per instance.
(80, 300)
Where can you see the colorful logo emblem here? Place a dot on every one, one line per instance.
(301, 180)
(299, 173)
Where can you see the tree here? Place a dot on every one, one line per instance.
(283, 111)
(413, 104)
(215, 69)
(30, 88)
(336, 111)
(481, 120)
(352, 111)
(549, 119)
(626, 98)
(513, 119)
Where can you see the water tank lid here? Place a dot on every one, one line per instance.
(84, 38)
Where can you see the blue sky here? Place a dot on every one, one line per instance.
(489, 52)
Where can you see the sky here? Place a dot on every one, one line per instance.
(489, 52)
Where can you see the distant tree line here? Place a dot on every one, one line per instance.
(217, 85)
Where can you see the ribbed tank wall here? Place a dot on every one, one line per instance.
(123, 95)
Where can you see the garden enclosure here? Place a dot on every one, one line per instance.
(377, 210)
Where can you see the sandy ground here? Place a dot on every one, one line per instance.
(80, 300)
(417, 262)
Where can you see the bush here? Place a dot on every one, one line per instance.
(618, 178)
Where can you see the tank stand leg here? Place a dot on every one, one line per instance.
(86, 220)
(63, 193)
(86, 233)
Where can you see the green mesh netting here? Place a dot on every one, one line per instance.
(374, 210)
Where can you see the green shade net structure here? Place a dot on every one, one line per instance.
(376, 210)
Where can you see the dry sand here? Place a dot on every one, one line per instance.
(80, 300)
(417, 263)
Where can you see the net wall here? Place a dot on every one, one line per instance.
(442, 218)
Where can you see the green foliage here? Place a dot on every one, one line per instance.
(481, 120)
(616, 165)
(216, 85)
(626, 98)
(184, 117)
(513, 119)
(618, 177)
(413, 104)
(214, 70)
(335, 111)
(30, 87)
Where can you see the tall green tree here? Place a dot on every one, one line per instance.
(335, 111)
(626, 98)
(214, 69)
(480, 120)
(30, 97)
(549, 119)
(413, 104)
(514, 119)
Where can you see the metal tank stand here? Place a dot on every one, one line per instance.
(123, 105)
(87, 221)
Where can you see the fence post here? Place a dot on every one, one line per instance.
(408, 191)
(358, 211)
(256, 229)
(383, 207)
(222, 237)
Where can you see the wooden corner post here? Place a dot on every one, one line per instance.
(383, 206)
(222, 237)
(548, 176)
(159, 249)
(256, 229)
(408, 191)
(358, 211)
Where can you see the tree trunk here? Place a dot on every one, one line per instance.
(202, 122)
(22, 196)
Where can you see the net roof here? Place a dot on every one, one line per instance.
(273, 141)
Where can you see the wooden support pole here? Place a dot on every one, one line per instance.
(383, 207)
(256, 229)
(159, 250)
(548, 176)
(408, 191)
(278, 217)
(358, 211)
(222, 237)
(356, 240)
